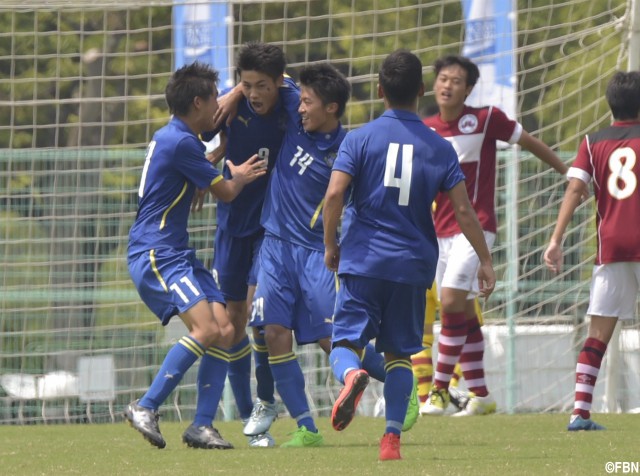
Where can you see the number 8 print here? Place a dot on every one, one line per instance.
(622, 171)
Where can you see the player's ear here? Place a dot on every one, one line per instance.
(332, 108)
(279, 80)
(380, 92)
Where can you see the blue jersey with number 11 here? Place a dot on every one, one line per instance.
(398, 166)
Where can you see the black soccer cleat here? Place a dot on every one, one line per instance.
(205, 437)
(145, 421)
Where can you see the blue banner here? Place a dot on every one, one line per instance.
(201, 32)
(490, 41)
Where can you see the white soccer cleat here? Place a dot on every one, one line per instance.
(262, 416)
(478, 406)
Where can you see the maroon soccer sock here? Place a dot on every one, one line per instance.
(452, 337)
(587, 369)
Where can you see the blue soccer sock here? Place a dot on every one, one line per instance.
(211, 376)
(264, 379)
(397, 391)
(342, 361)
(289, 381)
(240, 376)
(373, 363)
(177, 361)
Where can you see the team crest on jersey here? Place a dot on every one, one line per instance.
(467, 124)
(330, 158)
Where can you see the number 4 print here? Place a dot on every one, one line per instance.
(404, 182)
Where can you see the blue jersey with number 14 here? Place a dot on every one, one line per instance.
(293, 204)
(398, 166)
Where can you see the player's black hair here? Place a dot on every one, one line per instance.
(623, 95)
(473, 73)
(400, 77)
(188, 82)
(328, 84)
(261, 57)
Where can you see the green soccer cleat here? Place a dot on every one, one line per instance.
(413, 409)
(303, 438)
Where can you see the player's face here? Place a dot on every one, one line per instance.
(450, 87)
(316, 116)
(260, 90)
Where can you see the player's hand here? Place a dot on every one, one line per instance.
(227, 107)
(198, 200)
(486, 279)
(553, 257)
(248, 171)
(332, 257)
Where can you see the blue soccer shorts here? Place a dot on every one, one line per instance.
(171, 281)
(235, 263)
(370, 308)
(295, 290)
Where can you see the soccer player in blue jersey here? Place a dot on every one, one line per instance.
(392, 167)
(168, 276)
(293, 295)
(258, 126)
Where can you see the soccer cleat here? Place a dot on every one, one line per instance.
(459, 398)
(205, 437)
(413, 409)
(303, 438)
(345, 407)
(478, 406)
(145, 421)
(437, 402)
(577, 423)
(390, 447)
(261, 418)
(263, 440)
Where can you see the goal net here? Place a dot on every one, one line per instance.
(81, 93)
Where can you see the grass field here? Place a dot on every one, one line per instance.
(493, 445)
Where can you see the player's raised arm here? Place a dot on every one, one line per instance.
(542, 151)
(247, 172)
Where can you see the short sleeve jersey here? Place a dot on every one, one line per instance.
(293, 204)
(611, 159)
(398, 166)
(474, 135)
(175, 165)
(248, 134)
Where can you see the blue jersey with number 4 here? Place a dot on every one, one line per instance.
(398, 166)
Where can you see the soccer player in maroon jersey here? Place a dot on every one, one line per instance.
(610, 159)
(474, 133)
